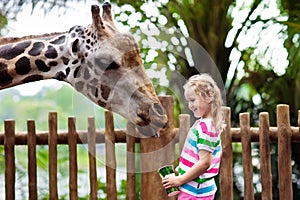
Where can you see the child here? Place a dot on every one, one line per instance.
(200, 158)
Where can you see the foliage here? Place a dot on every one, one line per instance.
(269, 80)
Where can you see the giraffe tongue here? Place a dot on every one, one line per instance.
(157, 134)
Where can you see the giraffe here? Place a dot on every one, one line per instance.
(97, 60)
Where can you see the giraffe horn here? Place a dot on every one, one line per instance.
(107, 16)
(97, 21)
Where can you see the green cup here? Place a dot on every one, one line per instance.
(168, 170)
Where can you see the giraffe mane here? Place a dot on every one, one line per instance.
(9, 40)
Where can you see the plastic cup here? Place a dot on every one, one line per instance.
(168, 170)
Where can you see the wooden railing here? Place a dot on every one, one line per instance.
(154, 152)
(283, 134)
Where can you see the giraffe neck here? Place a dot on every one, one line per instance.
(33, 58)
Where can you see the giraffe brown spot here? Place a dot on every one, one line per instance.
(93, 89)
(86, 74)
(51, 52)
(77, 72)
(79, 86)
(94, 81)
(68, 70)
(5, 78)
(65, 60)
(71, 29)
(79, 29)
(36, 49)
(32, 78)
(97, 93)
(75, 46)
(75, 62)
(60, 76)
(53, 63)
(102, 104)
(23, 66)
(59, 40)
(42, 66)
(9, 51)
(105, 91)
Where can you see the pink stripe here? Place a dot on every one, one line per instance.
(213, 170)
(186, 162)
(204, 130)
(203, 127)
(191, 153)
(215, 160)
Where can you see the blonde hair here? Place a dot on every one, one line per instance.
(204, 85)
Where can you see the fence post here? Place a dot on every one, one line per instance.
(284, 152)
(52, 143)
(130, 162)
(184, 126)
(226, 176)
(265, 160)
(10, 167)
(92, 158)
(156, 152)
(110, 157)
(32, 170)
(72, 144)
(247, 157)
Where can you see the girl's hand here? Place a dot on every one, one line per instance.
(171, 181)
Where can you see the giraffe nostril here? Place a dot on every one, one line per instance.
(145, 121)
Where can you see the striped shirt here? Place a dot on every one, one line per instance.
(202, 136)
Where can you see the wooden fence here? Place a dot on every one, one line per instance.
(154, 152)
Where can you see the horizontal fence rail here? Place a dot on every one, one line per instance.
(283, 134)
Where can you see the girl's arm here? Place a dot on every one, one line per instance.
(195, 171)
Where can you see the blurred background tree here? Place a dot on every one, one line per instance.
(253, 44)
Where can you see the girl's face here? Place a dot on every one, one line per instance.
(200, 106)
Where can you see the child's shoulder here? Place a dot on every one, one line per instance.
(206, 125)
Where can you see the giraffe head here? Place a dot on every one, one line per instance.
(111, 72)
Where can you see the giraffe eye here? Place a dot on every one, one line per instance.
(112, 65)
(106, 65)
